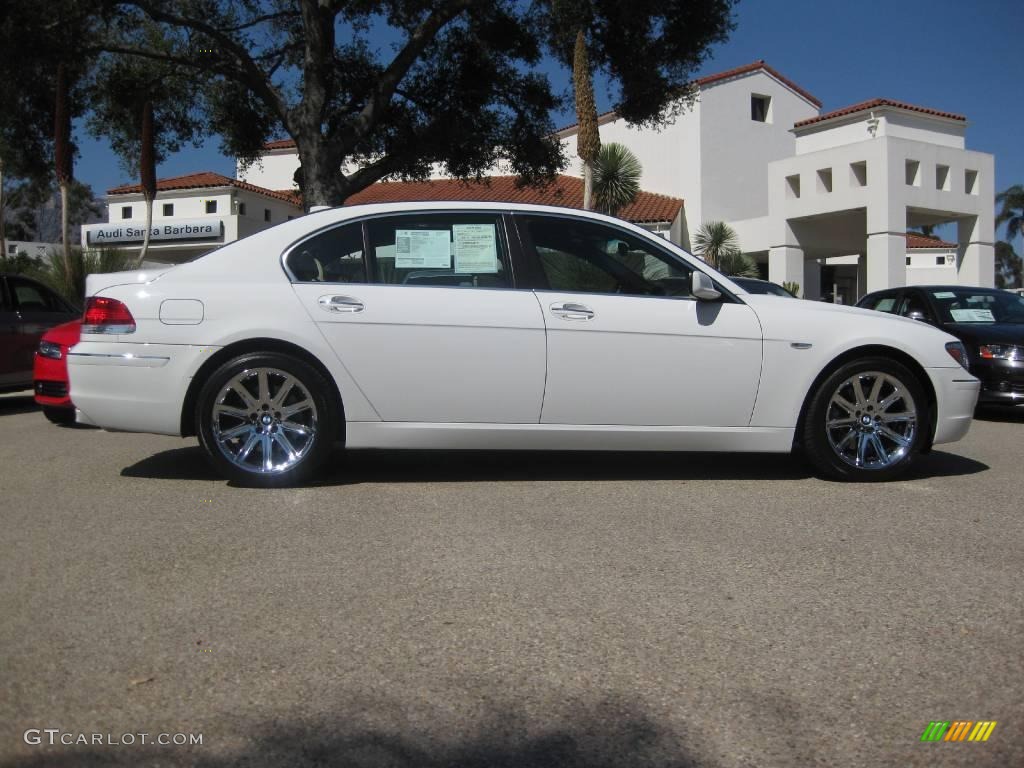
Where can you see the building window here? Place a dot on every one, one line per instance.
(942, 177)
(908, 261)
(168, 209)
(825, 180)
(241, 209)
(126, 211)
(859, 171)
(793, 185)
(913, 171)
(971, 182)
(940, 261)
(266, 214)
(12, 249)
(760, 108)
(211, 206)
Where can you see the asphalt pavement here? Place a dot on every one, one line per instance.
(500, 609)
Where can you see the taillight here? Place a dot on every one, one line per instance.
(104, 315)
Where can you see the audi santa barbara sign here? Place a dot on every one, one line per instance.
(183, 229)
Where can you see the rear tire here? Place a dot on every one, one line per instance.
(267, 420)
(866, 422)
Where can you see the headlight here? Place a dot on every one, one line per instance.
(50, 350)
(1000, 352)
(958, 352)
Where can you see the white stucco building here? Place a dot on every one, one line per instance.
(822, 200)
(192, 215)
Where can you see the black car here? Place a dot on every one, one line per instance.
(753, 285)
(989, 321)
(27, 310)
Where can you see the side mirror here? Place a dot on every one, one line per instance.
(917, 316)
(702, 287)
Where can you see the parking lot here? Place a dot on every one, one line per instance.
(493, 609)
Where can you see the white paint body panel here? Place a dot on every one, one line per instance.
(433, 367)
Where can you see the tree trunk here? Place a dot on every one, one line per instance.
(65, 234)
(588, 139)
(145, 238)
(322, 180)
(3, 218)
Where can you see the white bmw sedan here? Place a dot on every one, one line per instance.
(477, 325)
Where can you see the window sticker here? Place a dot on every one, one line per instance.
(427, 248)
(944, 295)
(476, 248)
(972, 315)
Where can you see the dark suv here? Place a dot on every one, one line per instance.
(27, 310)
(989, 321)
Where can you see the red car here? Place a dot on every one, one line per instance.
(50, 372)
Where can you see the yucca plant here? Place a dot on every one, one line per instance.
(617, 174)
(67, 276)
(738, 265)
(714, 241)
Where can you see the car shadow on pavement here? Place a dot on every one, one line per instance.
(416, 466)
(1009, 415)
(17, 403)
(596, 737)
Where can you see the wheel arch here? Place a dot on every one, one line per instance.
(873, 350)
(247, 346)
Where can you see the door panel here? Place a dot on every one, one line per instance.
(37, 310)
(420, 349)
(627, 343)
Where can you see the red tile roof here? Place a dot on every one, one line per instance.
(917, 240)
(759, 65)
(205, 179)
(754, 67)
(566, 191)
(280, 144)
(875, 104)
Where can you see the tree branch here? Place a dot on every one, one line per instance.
(420, 38)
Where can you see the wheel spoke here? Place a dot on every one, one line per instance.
(291, 410)
(891, 398)
(876, 390)
(299, 429)
(843, 422)
(843, 403)
(862, 449)
(282, 393)
(264, 386)
(858, 391)
(285, 444)
(226, 410)
(848, 438)
(246, 449)
(231, 434)
(896, 437)
(238, 387)
(880, 452)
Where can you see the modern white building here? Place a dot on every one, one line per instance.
(822, 200)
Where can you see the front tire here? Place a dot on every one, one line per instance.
(866, 422)
(267, 420)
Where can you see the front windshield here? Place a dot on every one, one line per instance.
(963, 305)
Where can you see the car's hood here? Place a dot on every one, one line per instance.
(100, 281)
(987, 333)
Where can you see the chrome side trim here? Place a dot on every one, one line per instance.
(126, 359)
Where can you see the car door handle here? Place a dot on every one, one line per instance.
(572, 311)
(340, 304)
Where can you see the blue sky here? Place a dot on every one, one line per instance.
(945, 54)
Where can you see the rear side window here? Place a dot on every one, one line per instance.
(334, 256)
(29, 297)
(440, 249)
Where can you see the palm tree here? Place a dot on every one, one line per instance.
(617, 174)
(63, 153)
(1012, 211)
(147, 174)
(716, 243)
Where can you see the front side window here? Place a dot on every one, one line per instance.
(29, 297)
(587, 257)
(914, 306)
(440, 249)
(334, 256)
(882, 303)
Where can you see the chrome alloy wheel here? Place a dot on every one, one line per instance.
(871, 420)
(264, 420)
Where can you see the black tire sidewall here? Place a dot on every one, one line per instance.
(815, 442)
(314, 383)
